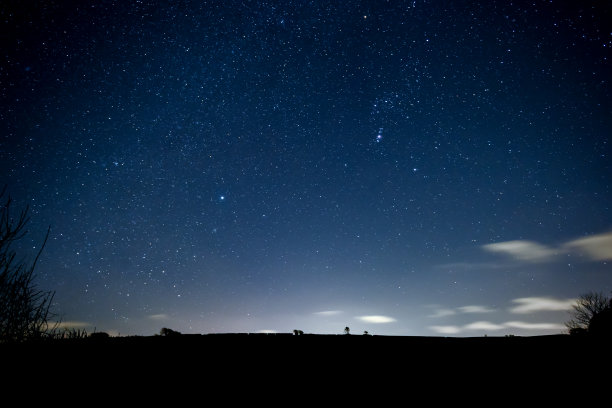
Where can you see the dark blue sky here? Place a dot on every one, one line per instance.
(402, 167)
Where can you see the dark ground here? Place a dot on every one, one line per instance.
(250, 367)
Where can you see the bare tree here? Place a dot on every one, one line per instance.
(24, 309)
(587, 307)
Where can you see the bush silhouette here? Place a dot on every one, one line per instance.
(24, 309)
(99, 335)
(168, 332)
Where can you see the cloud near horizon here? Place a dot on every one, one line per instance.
(462, 309)
(488, 326)
(535, 326)
(446, 329)
(523, 306)
(376, 319)
(541, 304)
(595, 248)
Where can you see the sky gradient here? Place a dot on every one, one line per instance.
(401, 167)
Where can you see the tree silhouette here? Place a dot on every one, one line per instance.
(24, 309)
(347, 330)
(168, 332)
(592, 313)
(99, 335)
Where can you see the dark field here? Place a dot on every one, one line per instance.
(337, 352)
(248, 367)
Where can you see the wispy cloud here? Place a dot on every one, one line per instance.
(540, 304)
(523, 250)
(475, 309)
(596, 247)
(376, 319)
(446, 329)
(463, 309)
(593, 248)
(521, 306)
(489, 327)
(328, 313)
(161, 316)
(535, 326)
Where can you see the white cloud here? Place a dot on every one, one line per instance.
(523, 250)
(375, 319)
(593, 248)
(483, 326)
(596, 247)
(266, 331)
(488, 326)
(540, 304)
(475, 309)
(160, 316)
(446, 329)
(328, 313)
(535, 326)
(463, 309)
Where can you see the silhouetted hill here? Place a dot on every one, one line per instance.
(284, 361)
(308, 348)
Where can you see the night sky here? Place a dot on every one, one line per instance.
(401, 167)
